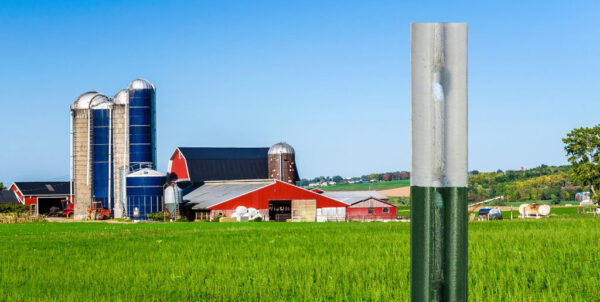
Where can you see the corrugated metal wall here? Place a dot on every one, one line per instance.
(101, 163)
(142, 132)
(144, 195)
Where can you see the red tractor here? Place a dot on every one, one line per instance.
(97, 212)
(68, 210)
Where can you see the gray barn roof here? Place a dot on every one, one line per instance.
(352, 197)
(8, 197)
(50, 188)
(213, 193)
(208, 164)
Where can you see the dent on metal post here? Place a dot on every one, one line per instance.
(439, 162)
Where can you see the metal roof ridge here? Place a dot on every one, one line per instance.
(239, 181)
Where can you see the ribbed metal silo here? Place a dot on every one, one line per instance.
(172, 198)
(101, 147)
(144, 193)
(142, 131)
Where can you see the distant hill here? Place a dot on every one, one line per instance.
(374, 186)
(547, 183)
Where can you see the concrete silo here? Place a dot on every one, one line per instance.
(142, 123)
(81, 153)
(282, 163)
(120, 130)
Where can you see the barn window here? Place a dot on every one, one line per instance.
(386, 210)
(371, 211)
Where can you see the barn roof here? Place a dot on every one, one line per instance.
(352, 197)
(209, 164)
(36, 188)
(213, 193)
(8, 197)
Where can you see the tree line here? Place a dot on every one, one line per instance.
(549, 183)
(386, 176)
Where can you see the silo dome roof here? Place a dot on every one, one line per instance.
(145, 172)
(122, 97)
(84, 100)
(281, 147)
(139, 84)
(100, 101)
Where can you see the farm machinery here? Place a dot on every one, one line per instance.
(97, 212)
(474, 206)
(67, 210)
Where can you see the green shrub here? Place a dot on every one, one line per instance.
(159, 216)
(182, 219)
(257, 219)
(13, 208)
(217, 218)
(400, 200)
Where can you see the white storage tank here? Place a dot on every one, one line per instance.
(534, 210)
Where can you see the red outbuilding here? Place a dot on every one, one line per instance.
(43, 195)
(371, 209)
(365, 205)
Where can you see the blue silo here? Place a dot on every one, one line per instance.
(142, 121)
(101, 156)
(144, 193)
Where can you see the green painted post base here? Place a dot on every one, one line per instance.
(438, 244)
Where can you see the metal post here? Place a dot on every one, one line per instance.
(110, 163)
(439, 162)
(71, 157)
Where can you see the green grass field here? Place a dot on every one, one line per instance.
(376, 186)
(535, 260)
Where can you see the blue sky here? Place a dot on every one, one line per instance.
(330, 77)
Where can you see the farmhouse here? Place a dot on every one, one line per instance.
(42, 195)
(275, 200)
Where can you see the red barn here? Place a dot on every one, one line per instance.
(274, 199)
(43, 195)
(196, 165)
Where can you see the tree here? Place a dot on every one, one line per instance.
(302, 182)
(387, 177)
(2, 187)
(583, 150)
(565, 196)
(338, 179)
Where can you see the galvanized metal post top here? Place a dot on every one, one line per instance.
(439, 104)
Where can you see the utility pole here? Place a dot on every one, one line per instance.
(439, 162)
